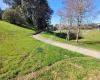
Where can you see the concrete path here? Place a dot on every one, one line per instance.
(80, 50)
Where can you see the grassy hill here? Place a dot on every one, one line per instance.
(20, 55)
(90, 39)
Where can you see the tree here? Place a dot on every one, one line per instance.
(76, 11)
(12, 16)
(68, 14)
(81, 7)
(60, 14)
(37, 11)
(12, 3)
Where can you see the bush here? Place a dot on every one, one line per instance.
(12, 16)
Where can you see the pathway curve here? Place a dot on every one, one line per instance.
(84, 51)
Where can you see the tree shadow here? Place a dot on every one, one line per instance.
(90, 42)
(64, 35)
(27, 26)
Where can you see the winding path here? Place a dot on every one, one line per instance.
(80, 50)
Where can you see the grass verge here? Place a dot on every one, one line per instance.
(90, 39)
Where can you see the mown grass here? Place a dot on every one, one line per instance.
(20, 54)
(90, 39)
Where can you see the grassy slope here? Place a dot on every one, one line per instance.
(90, 39)
(73, 69)
(20, 54)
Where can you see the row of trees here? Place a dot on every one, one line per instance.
(35, 12)
(74, 13)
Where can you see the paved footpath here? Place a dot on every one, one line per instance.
(84, 51)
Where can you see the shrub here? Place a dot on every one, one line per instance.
(12, 16)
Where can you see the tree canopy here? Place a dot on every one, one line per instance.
(36, 12)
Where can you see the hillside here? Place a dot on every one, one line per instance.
(21, 55)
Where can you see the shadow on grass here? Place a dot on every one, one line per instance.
(28, 26)
(90, 42)
(64, 35)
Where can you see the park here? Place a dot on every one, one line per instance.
(33, 47)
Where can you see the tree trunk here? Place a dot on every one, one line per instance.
(68, 35)
(77, 36)
(79, 25)
(60, 27)
(69, 27)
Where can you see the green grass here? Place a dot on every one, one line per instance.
(73, 69)
(90, 39)
(20, 54)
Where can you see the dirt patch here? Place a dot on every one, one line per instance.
(23, 57)
(93, 76)
(35, 75)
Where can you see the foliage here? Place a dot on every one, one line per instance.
(36, 12)
(12, 16)
(75, 12)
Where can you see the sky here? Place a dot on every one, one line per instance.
(57, 5)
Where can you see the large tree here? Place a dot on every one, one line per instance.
(68, 14)
(36, 11)
(77, 10)
(81, 8)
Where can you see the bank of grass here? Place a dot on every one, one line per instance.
(20, 54)
(90, 39)
(73, 69)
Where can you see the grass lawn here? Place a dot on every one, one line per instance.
(20, 54)
(90, 39)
